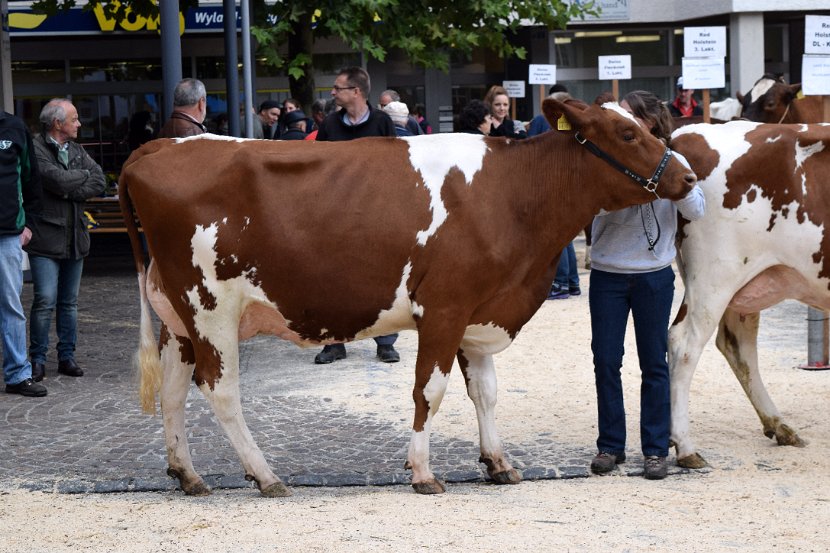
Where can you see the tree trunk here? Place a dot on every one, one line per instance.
(301, 41)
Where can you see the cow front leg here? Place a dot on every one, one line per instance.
(480, 376)
(436, 349)
(218, 379)
(177, 362)
(738, 342)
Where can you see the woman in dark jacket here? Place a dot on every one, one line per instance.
(475, 118)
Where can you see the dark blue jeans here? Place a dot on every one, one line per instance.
(567, 273)
(648, 297)
(55, 286)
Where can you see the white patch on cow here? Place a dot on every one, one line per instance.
(209, 136)
(803, 152)
(615, 107)
(323, 331)
(435, 389)
(760, 88)
(485, 339)
(773, 139)
(417, 310)
(726, 109)
(398, 316)
(245, 222)
(433, 156)
(231, 296)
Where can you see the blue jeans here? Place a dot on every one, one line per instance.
(648, 296)
(567, 273)
(56, 283)
(16, 367)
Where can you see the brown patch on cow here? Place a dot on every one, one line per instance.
(769, 168)
(206, 299)
(681, 314)
(186, 353)
(696, 150)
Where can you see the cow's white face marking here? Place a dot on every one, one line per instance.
(219, 325)
(485, 339)
(615, 107)
(209, 136)
(433, 156)
(760, 88)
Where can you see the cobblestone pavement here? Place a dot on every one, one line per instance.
(89, 434)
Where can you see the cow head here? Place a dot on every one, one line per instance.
(628, 155)
(769, 100)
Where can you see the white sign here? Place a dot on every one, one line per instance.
(702, 73)
(609, 10)
(515, 89)
(704, 42)
(815, 75)
(816, 34)
(542, 74)
(614, 67)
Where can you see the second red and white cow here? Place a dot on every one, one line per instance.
(764, 238)
(455, 236)
(772, 100)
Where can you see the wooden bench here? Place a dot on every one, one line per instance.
(107, 214)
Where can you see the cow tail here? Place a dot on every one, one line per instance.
(146, 359)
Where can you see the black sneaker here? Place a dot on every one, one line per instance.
(28, 388)
(387, 354)
(330, 354)
(655, 468)
(606, 462)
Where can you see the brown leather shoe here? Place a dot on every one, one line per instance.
(38, 371)
(70, 368)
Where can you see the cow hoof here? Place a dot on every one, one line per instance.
(195, 487)
(431, 487)
(788, 436)
(693, 461)
(277, 489)
(511, 476)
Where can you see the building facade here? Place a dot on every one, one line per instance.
(112, 70)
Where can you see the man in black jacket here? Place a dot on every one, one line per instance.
(60, 239)
(20, 196)
(356, 119)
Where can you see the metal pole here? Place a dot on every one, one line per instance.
(7, 98)
(171, 53)
(246, 68)
(817, 339)
(231, 60)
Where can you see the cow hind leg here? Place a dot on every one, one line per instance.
(177, 361)
(480, 377)
(738, 342)
(223, 395)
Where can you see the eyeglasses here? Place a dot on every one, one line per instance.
(339, 88)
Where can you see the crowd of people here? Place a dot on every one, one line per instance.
(48, 178)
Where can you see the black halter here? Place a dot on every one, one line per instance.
(648, 184)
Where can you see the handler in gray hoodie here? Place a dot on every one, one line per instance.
(631, 254)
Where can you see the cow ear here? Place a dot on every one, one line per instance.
(795, 89)
(740, 97)
(561, 116)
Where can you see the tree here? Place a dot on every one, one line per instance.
(425, 30)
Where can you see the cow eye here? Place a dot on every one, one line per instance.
(628, 137)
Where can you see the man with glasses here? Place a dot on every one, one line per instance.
(355, 119)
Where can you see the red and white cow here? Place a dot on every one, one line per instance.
(456, 236)
(771, 100)
(763, 239)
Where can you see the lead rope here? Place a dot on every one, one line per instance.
(786, 111)
(649, 222)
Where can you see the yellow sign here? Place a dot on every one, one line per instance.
(131, 22)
